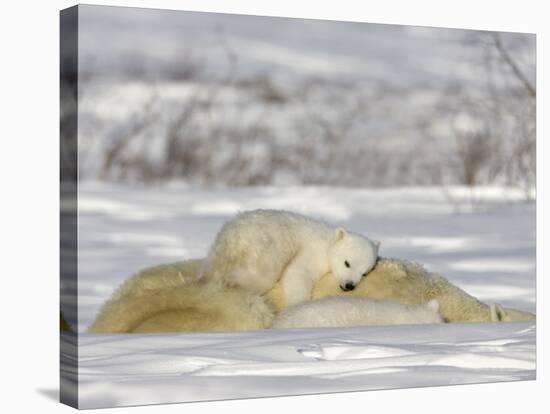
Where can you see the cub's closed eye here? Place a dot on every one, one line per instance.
(347, 263)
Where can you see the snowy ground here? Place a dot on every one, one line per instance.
(136, 369)
(482, 242)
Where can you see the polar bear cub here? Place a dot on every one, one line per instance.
(338, 311)
(258, 248)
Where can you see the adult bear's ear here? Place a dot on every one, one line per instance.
(340, 233)
(497, 313)
(376, 243)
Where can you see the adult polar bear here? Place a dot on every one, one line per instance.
(260, 247)
(168, 298)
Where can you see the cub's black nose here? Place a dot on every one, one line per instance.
(348, 286)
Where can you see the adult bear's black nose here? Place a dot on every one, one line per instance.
(348, 286)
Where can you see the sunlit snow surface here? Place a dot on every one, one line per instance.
(483, 242)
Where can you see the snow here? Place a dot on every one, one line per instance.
(482, 241)
(329, 49)
(135, 369)
(294, 100)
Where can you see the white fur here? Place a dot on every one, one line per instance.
(258, 248)
(338, 311)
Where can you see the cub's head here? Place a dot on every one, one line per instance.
(351, 257)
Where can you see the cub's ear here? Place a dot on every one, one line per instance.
(498, 314)
(376, 243)
(433, 305)
(340, 233)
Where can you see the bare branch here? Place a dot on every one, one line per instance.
(514, 66)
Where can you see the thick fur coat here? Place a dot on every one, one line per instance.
(340, 311)
(169, 298)
(259, 248)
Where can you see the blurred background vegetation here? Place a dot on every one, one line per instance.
(213, 99)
